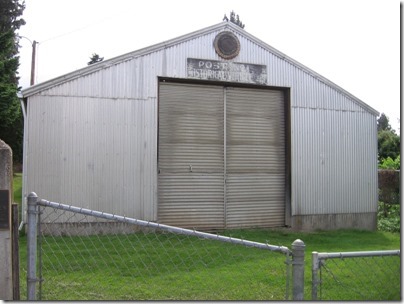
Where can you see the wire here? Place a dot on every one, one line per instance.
(82, 28)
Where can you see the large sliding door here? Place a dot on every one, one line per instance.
(191, 156)
(255, 158)
(221, 156)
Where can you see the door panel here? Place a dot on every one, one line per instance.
(191, 156)
(255, 158)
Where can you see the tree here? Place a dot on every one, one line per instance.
(383, 123)
(11, 121)
(95, 58)
(235, 19)
(388, 140)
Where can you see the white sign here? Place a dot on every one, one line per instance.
(226, 71)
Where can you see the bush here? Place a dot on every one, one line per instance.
(388, 217)
(389, 163)
(389, 186)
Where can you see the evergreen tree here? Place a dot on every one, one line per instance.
(11, 121)
(95, 58)
(388, 140)
(383, 123)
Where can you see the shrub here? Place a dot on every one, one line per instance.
(389, 163)
(388, 217)
(389, 186)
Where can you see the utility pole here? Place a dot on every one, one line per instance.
(33, 44)
(33, 62)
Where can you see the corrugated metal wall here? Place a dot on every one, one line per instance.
(110, 147)
(97, 153)
(337, 173)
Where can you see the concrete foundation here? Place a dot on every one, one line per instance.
(362, 221)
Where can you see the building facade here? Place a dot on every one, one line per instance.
(212, 130)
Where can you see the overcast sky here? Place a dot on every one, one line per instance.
(353, 43)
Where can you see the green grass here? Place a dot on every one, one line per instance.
(17, 192)
(17, 187)
(167, 267)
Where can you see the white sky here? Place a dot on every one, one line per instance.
(353, 43)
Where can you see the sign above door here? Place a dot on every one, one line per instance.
(226, 71)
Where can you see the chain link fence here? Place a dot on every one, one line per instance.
(80, 254)
(90, 255)
(361, 276)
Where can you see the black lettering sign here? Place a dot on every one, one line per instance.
(226, 71)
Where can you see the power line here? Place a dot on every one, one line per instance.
(81, 28)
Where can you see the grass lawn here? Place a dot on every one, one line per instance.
(155, 266)
(152, 266)
(17, 192)
(17, 187)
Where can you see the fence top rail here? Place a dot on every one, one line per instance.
(205, 235)
(355, 254)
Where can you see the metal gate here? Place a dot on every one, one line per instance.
(83, 254)
(221, 156)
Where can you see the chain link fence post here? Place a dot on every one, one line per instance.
(314, 275)
(298, 248)
(32, 212)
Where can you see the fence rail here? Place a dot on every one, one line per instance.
(162, 227)
(369, 275)
(90, 255)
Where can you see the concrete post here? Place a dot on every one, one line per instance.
(6, 198)
(298, 248)
(32, 245)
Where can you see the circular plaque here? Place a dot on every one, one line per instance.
(227, 45)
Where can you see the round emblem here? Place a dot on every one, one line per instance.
(227, 45)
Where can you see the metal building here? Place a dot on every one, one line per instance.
(212, 130)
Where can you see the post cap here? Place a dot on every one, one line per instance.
(32, 194)
(298, 243)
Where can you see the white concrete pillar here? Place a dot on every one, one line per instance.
(6, 197)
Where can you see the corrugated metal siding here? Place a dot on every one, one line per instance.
(191, 157)
(255, 162)
(327, 124)
(337, 173)
(95, 153)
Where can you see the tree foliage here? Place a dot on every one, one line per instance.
(388, 140)
(235, 19)
(383, 123)
(95, 58)
(11, 121)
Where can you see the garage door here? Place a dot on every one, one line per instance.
(221, 156)
(191, 156)
(255, 158)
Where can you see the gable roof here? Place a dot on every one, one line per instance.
(222, 25)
